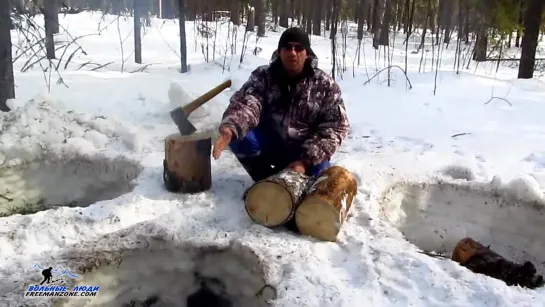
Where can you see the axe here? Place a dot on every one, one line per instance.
(180, 114)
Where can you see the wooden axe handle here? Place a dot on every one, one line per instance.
(192, 106)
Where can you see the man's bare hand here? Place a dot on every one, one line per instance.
(298, 166)
(222, 141)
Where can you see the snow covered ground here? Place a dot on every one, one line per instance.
(434, 167)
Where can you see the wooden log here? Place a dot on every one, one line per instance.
(480, 259)
(187, 165)
(272, 201)
(327, 204)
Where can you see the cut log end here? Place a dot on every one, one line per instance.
(317, 218)
(465, 249)
(269, 204)
(186, 167)
(272, 201)
(327, 204)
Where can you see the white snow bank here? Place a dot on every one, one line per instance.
(42, 127)
(435, 215)
(64, 181)
(148, 263)
(50, 156)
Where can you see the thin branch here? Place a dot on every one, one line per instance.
(499, 98)
(389, 67)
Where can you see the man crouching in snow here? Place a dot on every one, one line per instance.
(287, 114)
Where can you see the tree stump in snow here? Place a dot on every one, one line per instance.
(272, 201)
(480, 259)
(326, 204)
(187, 165)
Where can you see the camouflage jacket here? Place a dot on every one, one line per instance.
(308, 114)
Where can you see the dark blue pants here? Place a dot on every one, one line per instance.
(262, 154)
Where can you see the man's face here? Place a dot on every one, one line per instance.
(293, 56)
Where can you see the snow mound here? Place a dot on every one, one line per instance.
(206, 117)
(148, 264)
(177, 96)
(50, 156)
(435, 215)
(42, 127)
(67, 181)
(458, 171)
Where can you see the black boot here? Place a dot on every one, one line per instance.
(257, 167)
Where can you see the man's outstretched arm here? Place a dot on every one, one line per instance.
(332, 128)
(245, 105)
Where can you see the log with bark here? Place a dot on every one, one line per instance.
(187, 165)
(272, 201)
(326, 204)
(480, 259)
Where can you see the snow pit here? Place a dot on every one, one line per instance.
(435, 215)
(75, 181)
(142, 267)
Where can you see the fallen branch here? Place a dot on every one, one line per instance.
(494, 97)
(481, 259)
(141, 69)
(390, 67)
(6, 198)
(460, 134)
(508, 60)
(433, 254)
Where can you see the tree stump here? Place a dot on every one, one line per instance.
(480, 259)
(272, 201)
(326, 204)
(187, 166)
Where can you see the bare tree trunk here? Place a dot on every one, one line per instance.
(399, 15)
(191, 10)
(137, 29)
(260, 6)
(425, 28)
(467, 9)
(447, 12)
(7, 83)
(275, 8)
(317, 22)
(284, 13)
(520, 21)
(183, 45)
(406, 15)
(375, 15)
(461, 13)
(309, 8)
(167, 12)
(483, 17)
(333, 34)
(49, 23)
(532, 22)
(383, 38)
(235, 12)
(381, 23)
(410, 18)
(250, 25)
(361, 19)
(328, 5)
(55, 14)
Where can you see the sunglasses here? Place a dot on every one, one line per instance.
(290, 47)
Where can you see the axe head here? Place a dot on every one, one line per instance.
(179, 117)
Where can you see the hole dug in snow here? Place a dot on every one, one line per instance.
(77, 181)
(436, 216)
(161, 273)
